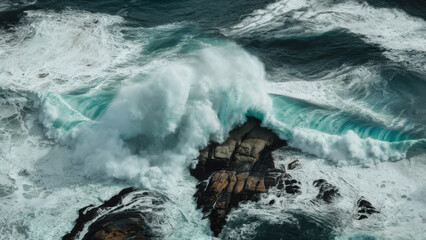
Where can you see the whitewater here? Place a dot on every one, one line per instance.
(96, 97)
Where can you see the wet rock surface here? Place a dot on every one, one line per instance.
(291, 185)
(327, 192)
(237, 170)
(120, 217)
(365, 209)
(294, 165)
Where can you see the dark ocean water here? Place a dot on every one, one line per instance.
(97, 95)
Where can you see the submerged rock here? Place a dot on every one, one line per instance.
(365, 208)
(121, 225)
(291, 185)
(115, 219)
(294, 165)
(327, 192)
(239, 169)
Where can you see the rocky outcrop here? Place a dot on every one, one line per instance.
(327, 192)
(289, 184)
(239, 169)
(294, 165)
(114, 219)
(365, 209)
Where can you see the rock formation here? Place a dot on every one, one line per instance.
(365, 208)
(114, 219)
(239, 169)
(294, 165)
(327, 192)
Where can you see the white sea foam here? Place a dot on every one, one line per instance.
(191, 101)
(84, 50)
(38, 183)
(351, 90)
(394, 188)
(149, 133)
(11, 4)
(345, 149)
(176, 111)
(348, 148)
(403, 36)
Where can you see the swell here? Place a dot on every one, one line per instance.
(309, 55)
(298, 113)
(180, 121)
(234, 88)
(403, 41)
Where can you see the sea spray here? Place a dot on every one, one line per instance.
(85, 51)
(345, 149)
(356, 61)
(403, 39)
(170, 115)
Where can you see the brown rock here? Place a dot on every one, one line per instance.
(225, 150)
(117, 226)
(220, 181)
(111, 222)
(232, 182)
(258, 132)
(238, 168)
(241, 181)
(261, 186)
(251, 183)
(251, 147)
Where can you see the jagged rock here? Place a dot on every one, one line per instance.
(365, 208)
(239, 169)
(121, 225)
(113, 220)
(272, 177)
(249, 150)
(225, 150)
(327, 192)
(293, 165)
(291, 185)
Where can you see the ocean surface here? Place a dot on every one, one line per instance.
(98, 95)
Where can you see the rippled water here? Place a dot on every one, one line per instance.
(99, 95)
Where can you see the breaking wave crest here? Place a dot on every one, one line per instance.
(154, 127)
(87, 98)
(402, 35)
